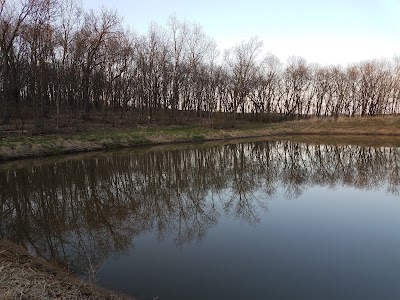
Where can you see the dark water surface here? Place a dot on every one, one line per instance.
(261, 220)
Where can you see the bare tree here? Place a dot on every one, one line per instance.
(69, 22)
(39, 37)
(91, 39)
(242, 64)
(178, 35)
(296, 84)
(265, 92)
(12, 16)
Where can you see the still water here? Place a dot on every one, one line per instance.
(259, 220)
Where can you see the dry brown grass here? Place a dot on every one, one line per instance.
(369, 129)
(380, 125)
(25, 277)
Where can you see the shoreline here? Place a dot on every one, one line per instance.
(35, 277)
(24, 276)
(331, 130)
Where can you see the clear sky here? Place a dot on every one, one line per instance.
(321, 31)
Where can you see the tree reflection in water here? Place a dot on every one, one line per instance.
(80, 211)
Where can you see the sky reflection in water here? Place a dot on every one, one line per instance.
(263, 220)
(326, 244)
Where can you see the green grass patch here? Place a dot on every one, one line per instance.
(54, 151)
(198, 138)
(138, 141)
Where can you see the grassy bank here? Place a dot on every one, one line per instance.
(15, 147)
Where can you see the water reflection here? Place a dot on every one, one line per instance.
(81, 211)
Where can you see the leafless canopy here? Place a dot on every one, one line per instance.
(62, 63)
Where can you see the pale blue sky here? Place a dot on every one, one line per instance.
(325, 32)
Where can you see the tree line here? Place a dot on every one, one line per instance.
(61, 62)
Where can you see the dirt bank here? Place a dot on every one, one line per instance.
(23, 276)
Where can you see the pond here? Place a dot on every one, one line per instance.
(254, 220)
